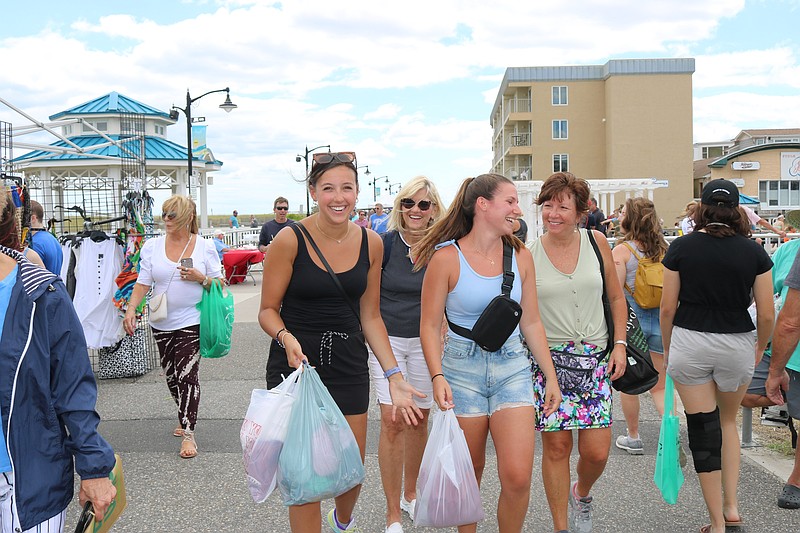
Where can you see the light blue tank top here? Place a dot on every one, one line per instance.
(473, 292)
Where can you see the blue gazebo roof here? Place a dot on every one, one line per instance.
(113, 102)
(156, 148)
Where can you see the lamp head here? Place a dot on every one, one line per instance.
(227, 105)
(173, 114)
(298, 158)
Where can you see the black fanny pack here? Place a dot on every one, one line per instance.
(500, 318)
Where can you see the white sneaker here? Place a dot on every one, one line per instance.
(395, 527)
(408, 506)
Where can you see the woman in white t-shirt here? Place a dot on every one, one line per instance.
(180, 265)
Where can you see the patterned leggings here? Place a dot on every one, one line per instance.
(180, 359)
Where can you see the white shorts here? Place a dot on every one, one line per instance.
(411, 361)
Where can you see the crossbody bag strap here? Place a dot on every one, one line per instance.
(179, 259)
(508, 272)
(334, 277)
(606, 303)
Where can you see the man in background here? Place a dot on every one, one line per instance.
(379, 220)
(596, 217)
(271, 227)
(234, 220)
(219, 243)
(43, 242)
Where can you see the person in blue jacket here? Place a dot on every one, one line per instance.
(47, 399)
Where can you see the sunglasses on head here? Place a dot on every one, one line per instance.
(408, 203)
(330, 157)
(282, 208)
(169, 215)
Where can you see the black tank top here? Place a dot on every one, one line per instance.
(313, 302)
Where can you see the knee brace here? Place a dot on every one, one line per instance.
(705, 440)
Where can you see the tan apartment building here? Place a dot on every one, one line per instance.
(626, 126)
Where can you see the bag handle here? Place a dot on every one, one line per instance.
(604, 297)
(505, 289)
(334, 277)
(669, 395)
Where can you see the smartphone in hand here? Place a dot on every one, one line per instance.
(187, 262)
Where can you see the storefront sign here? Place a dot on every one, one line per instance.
(790, 165)
(739, 182)
(746, 165)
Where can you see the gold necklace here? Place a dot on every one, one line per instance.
(485, 256)
(338, 241)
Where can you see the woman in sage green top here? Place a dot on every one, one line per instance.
(570, 285)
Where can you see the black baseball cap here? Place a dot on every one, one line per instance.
(720, 192)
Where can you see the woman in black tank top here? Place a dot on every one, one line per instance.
(311, 319)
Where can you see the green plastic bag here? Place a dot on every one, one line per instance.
(669, 476)
(216, 321)
(320, 458)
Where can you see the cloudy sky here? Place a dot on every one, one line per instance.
(409, 86)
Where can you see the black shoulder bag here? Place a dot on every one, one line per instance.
(501, 316)
(334, 277)
(640, 374)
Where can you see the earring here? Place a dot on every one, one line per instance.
(576, 229)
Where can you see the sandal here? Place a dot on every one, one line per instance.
(706, 529)
(790, 497)
(178, 432)
(188, 445)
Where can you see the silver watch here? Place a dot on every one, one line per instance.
(206, 281)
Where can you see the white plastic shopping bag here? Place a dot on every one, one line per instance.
(447, 490)
(263, 434)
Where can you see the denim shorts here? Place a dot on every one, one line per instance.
(483, 382)
(758, 386)
(650, 321)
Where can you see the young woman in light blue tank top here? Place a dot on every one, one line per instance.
(489, 391)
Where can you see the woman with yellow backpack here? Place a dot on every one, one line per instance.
(637, 258)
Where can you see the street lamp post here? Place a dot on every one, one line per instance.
(374, 184)
(297, 159)
(398, 185)
(227, 105)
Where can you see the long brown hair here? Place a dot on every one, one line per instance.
(457, 222)
(9, 225)
(721, 221)
(641, 224)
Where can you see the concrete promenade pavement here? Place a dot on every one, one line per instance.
(209, 493)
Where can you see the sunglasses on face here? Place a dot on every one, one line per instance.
(329, 157)
(408, 203)
(282, 208)
(169, 215)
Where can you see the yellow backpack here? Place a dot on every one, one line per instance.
(649, 281)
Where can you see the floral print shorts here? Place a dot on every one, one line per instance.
(581, 407)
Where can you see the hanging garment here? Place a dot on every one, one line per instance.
(98, 264)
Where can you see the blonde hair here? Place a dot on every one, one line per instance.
(185, 209)
(408, 190)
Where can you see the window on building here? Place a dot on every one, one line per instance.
(559, 95)
(713, 151)
(780, 194)
(86, 128)
(159, 130)
(68, 130)
(559, 129)
(560, 163)
(101, 126)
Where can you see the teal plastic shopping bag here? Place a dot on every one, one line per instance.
(216, 321)
(669, 476)
(320, 458)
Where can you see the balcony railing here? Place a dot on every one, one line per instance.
(518, 139)
(516, 106)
